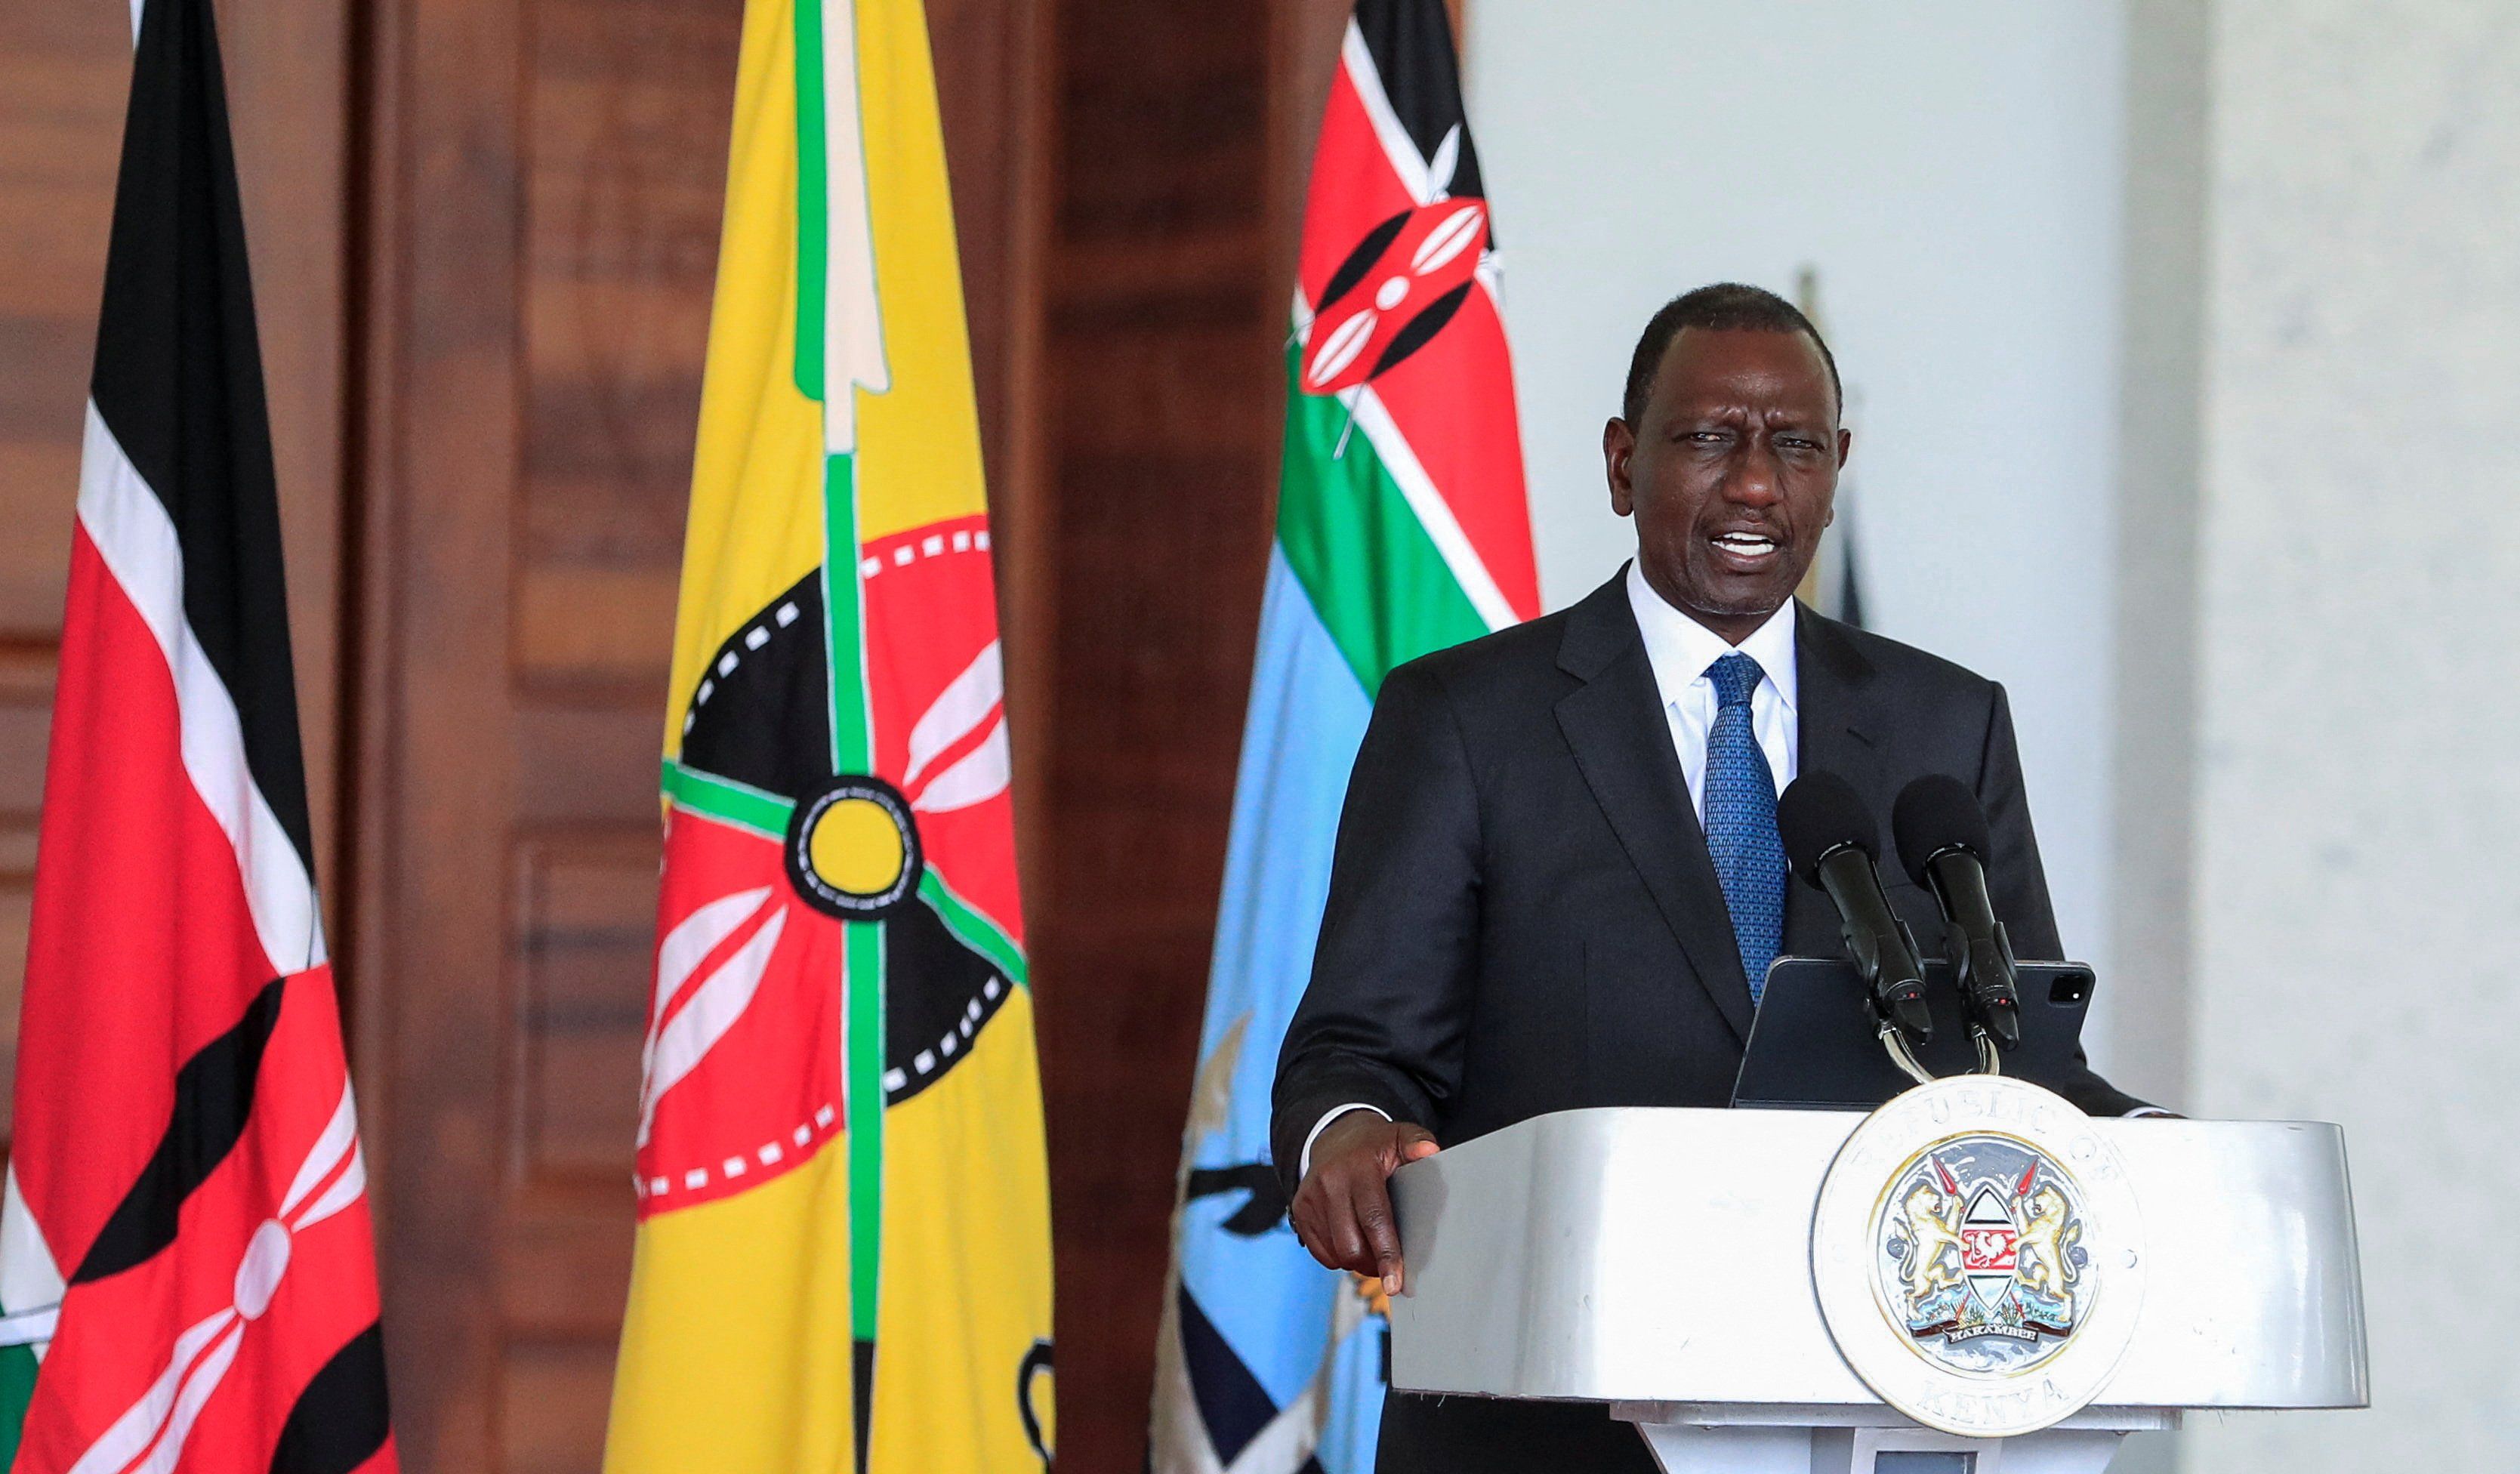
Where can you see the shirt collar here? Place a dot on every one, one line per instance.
(1680, 649)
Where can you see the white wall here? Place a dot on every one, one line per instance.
(1954, 172)
(2359, 775)
(2316, 777)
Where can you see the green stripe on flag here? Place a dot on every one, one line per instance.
(726, 801)
(862, 970)
(813, 198)
(844, 602)
(1375, 577)
(17, 1389)
(863, 967)
(975, 929)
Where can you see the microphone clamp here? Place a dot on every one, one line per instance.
(1883, 954)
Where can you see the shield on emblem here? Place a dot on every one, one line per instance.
(1420, 263)
(1990, 1245)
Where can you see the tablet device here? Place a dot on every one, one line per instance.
(1815, 1042)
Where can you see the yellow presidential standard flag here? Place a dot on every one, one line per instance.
(843, 1243)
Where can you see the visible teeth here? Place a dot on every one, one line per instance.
(1747, 542)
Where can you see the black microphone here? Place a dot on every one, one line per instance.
(1830, 839)
(1942, 837)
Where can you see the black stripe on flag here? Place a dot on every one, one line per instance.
(340, 1422)
(213, 1096)
(1233, 1405)
(1412, 45)
(179, 381)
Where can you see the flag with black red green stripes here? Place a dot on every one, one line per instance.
(186, 1264)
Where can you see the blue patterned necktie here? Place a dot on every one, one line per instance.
(1741, 821)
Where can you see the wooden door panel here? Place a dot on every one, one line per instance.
(585, 917)
(1163, 326)
(585, 763)
(626, 122)
(556, 1394)
(565, 159)
(63, 70)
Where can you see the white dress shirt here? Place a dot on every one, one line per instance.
(1680, 650)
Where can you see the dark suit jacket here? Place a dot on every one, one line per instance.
(1523, 917)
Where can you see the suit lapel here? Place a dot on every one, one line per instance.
(1834, 726)
(1622, 743)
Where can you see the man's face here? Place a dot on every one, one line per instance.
(1731, 474)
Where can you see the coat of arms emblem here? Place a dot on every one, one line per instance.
(1978, 1253)
(1981, 1253)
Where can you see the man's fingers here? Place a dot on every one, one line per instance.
(1342, 1210)
(1315, 1215)
(1373, 1213)
(1346, 1239)
(1307, 1224)
(1409, 1143)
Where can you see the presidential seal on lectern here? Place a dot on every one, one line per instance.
(1978, 1253)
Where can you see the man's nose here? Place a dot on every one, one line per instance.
(1756, 479)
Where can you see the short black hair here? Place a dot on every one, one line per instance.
(1723, 307)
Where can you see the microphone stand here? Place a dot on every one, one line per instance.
(1990, 1060)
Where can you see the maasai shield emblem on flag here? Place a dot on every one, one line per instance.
(1402, 527)
(184, 1251)
(843, 1244)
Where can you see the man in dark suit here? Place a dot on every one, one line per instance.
(1557, 872)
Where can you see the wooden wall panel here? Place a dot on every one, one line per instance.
(585, 909)
(1163, 320)
(1180, 139)
(626, 118)
(551, 233)
(63, 71)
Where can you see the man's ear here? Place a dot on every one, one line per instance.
(1619, 448)
(1845, 446)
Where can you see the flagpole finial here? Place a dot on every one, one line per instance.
(1806, 291)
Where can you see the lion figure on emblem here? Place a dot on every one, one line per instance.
(1930, 1223)
(2046, 1250)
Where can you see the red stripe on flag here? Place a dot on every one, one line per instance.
(310, 1288)
(928, 622)
(754, 1043)
(1353, 188)
(141, 948)
(1454, 403)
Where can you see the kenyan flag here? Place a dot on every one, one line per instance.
(843, 1250)
(1401, 528)
(185, 1252)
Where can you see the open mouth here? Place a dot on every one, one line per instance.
(1747, 552)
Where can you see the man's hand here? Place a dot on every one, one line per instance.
(1342, 1209)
